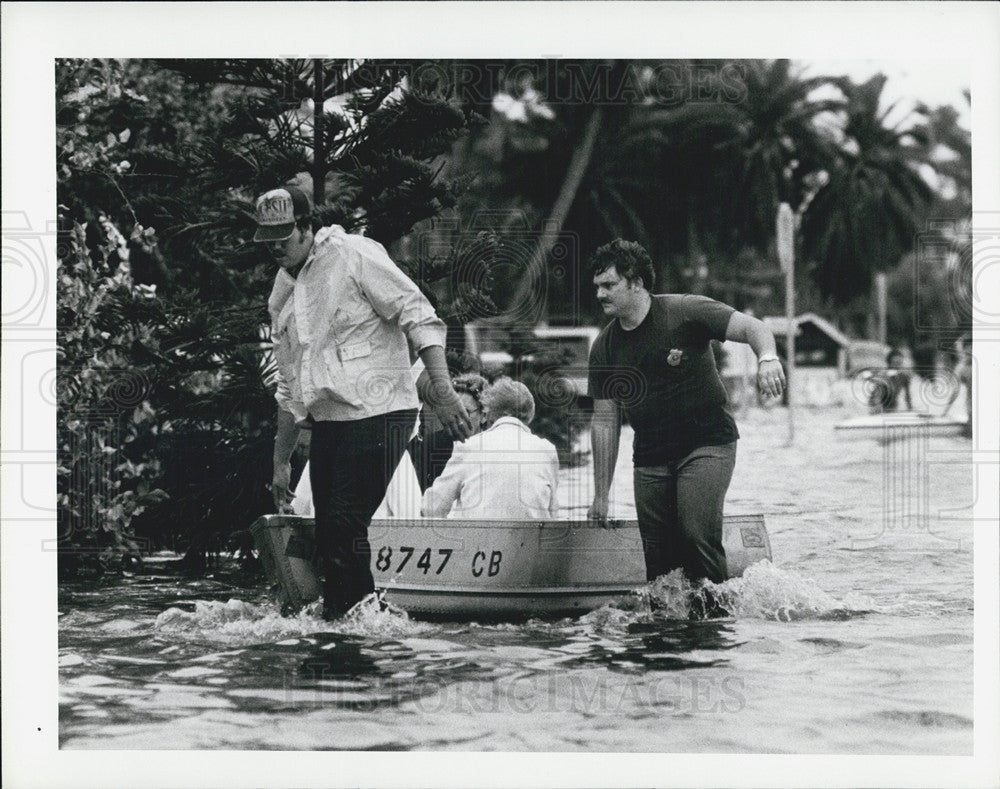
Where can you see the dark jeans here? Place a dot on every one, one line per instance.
(679, 508)
(430, 454)
(350, 465)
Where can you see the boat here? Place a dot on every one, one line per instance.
(898, 424)
(443, 568)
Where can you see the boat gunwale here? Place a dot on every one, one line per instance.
(615, 524)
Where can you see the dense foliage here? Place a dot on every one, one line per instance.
(106, 428)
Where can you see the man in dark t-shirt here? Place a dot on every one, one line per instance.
(654, 364)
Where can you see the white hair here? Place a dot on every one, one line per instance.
(506, 397)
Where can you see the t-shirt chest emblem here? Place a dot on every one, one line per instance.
(675, 356)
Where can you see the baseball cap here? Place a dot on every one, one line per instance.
(276, 213)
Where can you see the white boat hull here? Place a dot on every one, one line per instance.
(442, 568)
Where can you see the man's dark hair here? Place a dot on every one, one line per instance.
(628, 258)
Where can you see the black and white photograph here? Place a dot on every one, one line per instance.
(536, 394)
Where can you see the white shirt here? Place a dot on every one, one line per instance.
(343, 330)
(506, 472)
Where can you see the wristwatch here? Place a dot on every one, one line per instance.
(768, 357)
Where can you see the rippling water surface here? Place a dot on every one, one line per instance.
(858, 639)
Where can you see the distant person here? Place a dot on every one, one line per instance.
(654, 363)
(506, 472)
(431, 448)
(344, 318)
(963, 380)
(889, 384)
(963, 371)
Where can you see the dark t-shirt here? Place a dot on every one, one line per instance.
(662, 374)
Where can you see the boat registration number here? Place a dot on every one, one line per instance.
(430, 561)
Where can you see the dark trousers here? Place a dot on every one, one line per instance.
(679, 509)
(350, 465)
(430, 454)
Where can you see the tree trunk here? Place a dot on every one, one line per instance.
(695, 257)
(553, 225)
(319, 144)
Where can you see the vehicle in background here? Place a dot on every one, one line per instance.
(490, 344)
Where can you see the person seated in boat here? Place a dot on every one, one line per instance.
(888, 385)
(432, 446)
(504, 473)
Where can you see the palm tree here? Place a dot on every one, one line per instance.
(706, 177)
(575, 172)
(869, 213)
(949, 150)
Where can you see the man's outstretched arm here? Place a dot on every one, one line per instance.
(770, 375)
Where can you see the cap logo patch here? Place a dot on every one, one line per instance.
(275, 208)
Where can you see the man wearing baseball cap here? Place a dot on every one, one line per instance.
(344, 319)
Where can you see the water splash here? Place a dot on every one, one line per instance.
(669, 597)
(373, 616)
(762, 592)
(241, 622)
(767, 592)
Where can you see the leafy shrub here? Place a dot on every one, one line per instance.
(107, 474)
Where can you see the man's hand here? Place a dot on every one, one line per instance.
(279, 488)
(770, 375)
(599, 511)
(771, 378)
(451, 414)
(437, 393)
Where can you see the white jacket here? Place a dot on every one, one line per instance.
(506, 472)
(343, 330)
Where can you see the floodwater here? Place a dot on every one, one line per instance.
(857, 640)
